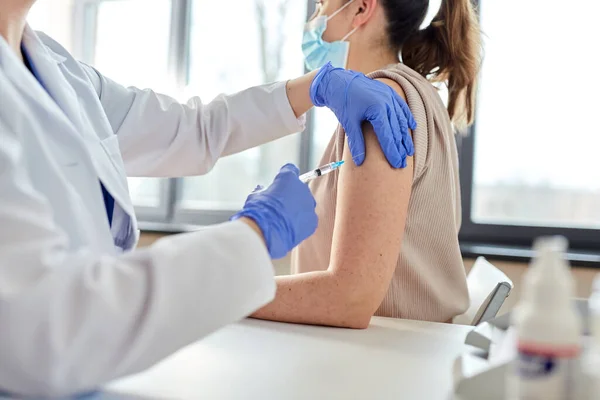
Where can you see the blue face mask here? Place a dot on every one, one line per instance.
(318, 52)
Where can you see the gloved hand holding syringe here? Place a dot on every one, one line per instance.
(285, 211)
(310, 175)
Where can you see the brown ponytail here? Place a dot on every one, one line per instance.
(449, 50)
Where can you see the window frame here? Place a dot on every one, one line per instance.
(580, 239)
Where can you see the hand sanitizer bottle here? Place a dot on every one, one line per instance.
(548, 328)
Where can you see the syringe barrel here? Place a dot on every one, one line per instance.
(309, 175)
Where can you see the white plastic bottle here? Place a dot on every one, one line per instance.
(594, 307)
(548, 328)
(593, 359)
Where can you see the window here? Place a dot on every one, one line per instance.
(325, 124)
(530, 166)
(54, 18)
(137, 57)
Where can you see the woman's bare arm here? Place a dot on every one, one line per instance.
(371, 211)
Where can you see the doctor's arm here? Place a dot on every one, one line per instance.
(159, 136)
(72, 319)
(369, 225)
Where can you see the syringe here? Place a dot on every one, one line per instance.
(324, 170)
(310, 175)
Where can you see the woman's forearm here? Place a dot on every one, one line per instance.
(298, 92)
(315, 298)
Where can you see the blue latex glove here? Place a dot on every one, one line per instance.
(285, 212)
(354, 98)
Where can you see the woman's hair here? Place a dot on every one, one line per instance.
(449, 50)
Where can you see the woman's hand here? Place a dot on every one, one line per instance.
(284, 212)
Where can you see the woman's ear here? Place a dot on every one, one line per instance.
(365, 12)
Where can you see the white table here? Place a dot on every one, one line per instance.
(393, 359)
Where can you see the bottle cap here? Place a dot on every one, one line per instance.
(558, 244)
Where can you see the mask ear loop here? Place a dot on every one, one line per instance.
(350, 34)
(336, 13)
(340, 10)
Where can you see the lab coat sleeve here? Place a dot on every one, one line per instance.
(73, 320)
(161, 137)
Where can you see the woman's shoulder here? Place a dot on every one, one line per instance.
(425, 104)
(420, 94)
(405, 77)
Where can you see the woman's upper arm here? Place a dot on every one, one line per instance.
(372, 204)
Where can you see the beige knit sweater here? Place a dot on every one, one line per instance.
(429, 281)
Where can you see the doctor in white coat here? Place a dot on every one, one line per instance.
(78, 305)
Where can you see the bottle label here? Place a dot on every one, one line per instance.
(543, 373)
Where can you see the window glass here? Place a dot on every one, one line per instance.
(325, 124)
(53, 17)
(236, 44)
(537, 134)
(132, 42)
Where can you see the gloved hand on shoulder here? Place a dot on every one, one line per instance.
(354, 98)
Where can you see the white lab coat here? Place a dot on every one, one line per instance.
(76, 308)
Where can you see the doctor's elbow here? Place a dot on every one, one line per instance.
(32, 366)
(34, 381)
(206, 165)
(39, 378)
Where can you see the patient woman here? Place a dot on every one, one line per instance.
(387, 241)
